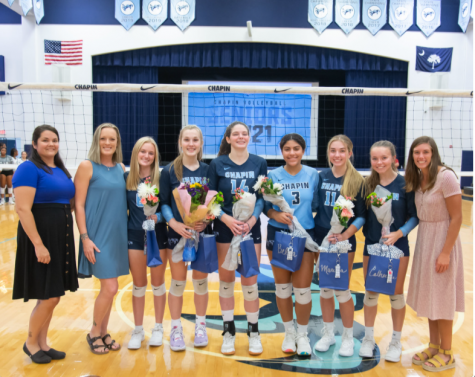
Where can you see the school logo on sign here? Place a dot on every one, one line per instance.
(155, 8)
(347, 14)
(428, 14)
(347, 11)
(320, 14)
(155, 12)
(374, 15)
(127, 12)
(320, 11)
(182, 8)
(127, 7)
(401, 15)
(182, 12)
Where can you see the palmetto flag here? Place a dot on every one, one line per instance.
(433, 59)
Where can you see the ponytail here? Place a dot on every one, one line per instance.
(225, 147)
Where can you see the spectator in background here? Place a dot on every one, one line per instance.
(24, 157)
(6, 175)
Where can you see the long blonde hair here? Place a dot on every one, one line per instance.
(134, 178)
(95, 150)
(352, 180)
(178, 162)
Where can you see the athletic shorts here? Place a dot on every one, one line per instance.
(136, 238)
(174, 237)
(224, 235)
(271, 230)
(6, 173)
(402, 244)
(321, 233)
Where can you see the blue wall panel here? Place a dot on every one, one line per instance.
(7, 16)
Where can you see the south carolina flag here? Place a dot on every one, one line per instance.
(63, 52)
(433, 59)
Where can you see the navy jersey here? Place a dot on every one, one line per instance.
(136, 215)
(328, 192)
(225, 176)
(300, 192)
(403, 208)
(169, 182)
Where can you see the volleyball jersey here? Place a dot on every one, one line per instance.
(300, 192)
(169, 182)
(7, 160)
(328, 192)
(225, 176)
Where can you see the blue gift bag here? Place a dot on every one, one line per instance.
(280, 252)
(189, 252)
(377, 275)
(153, 253)
(207, 255)
(249, 266)
(328, 263)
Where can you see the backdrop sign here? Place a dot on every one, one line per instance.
(428, 15)
(464, 14)
(374, 15)
(401, 15)
(39, 9)
(182, 12)
(155, 12)
(127, 12)
(26, 6)
(347, 14)
(320, 14)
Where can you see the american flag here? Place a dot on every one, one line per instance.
(63, 52)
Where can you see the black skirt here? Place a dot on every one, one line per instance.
(35, 280)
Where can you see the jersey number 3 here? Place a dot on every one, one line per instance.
(327, 198)
(243, 186)
(296, 195)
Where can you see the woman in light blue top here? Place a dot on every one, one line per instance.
(101, 215)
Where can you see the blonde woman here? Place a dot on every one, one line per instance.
(101, 216)
(144, 164)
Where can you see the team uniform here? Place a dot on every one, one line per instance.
(225, 176)
(7, 160)
(301, 194)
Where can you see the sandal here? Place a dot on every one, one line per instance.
(93, 346)
(111, 343)
(438, 364)
(426, 352)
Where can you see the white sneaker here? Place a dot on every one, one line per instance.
(228, 344)
(288, 345)
(11, 200)
(367, 347)
(157, 336)
(255, 345)
(2, 202)
(303, 345)
(327, 339)
(394, 351)
(347, 345)
(136, 340)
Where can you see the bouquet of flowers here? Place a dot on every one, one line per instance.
(148, 195)
(342, 213)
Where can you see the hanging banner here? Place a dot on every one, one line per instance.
(401, 15)
(433, 59)
(320, 14)
(155, 12)
(428, 15)
(347, 14)
(464, 14)
(26, 6)
(374, 15)
(10, 2)
(182, 12)
(127, 12)
(39, 10)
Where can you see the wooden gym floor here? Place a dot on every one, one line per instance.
(72, 320)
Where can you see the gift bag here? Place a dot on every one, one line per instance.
(249, 265)
(334, 271)
(382, 274)
(189, 252)
(288, 251)
(207, 255)
(151, 244)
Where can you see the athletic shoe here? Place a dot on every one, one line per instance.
(2, 202)
(177, 339)
(327, 339)
(255, 345)
(394, 351)
(201, 337)
(157, 336)
(11, 200)
(288, 345)
(228, 344)
(347, 345)
(303, 344)
(136, 340)
(367, 347)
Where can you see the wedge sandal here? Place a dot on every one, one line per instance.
(421, 356)
(438, 364)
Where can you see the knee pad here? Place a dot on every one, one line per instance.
(138, 291)
(177, 287)
(283, 290)
(303, 295)
(397, 301)
(326, 293)
(2, 190)
(226, 290)
(160, 290)
(343, 296)
(250, 292)
(370, 299)
(200, 286)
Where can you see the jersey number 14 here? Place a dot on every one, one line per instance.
(243, 186)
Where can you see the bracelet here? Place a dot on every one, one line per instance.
(84, 236)
(248, 226)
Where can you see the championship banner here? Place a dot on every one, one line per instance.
(374, 15)
(26, 6)
(10, 2)
(127, 12)
(347, 14)
(428, 15)
(39, 10)
(433, 59)
(182, 12)
(155, 12)
(401, 15)
(320, 14)
(464, 14)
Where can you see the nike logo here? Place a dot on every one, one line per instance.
(285, 288)
(371, 298)
(156, 289)
(393, 300)
(178, 285)
(302, 293)
(249, 292)
(142, 88)
(226, 168)
(280, 91)
(137, 288)
(201, 284)
(258, 239)
(409, 93)
(225, 287)
(13, 87)
(325, 290)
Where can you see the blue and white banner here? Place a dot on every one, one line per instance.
(10, 2)
(155, 12)
(428, 15)
(39, 9)
(347, 14)
(374, 14)
(320, 14)
(464, 14)
(26, 6)
(182, 12)
(401, 15)
(433, 59)
(127, 12)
